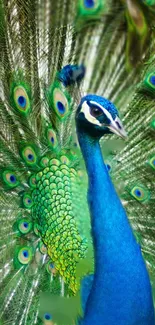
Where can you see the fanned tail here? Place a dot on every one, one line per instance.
(45, 239)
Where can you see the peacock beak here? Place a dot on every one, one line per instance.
(116, 127)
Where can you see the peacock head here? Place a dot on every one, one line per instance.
(98, 116)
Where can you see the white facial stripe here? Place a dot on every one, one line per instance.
(86, 111)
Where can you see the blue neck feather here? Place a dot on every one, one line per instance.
(121, 291)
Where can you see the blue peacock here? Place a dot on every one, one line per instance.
(67, 256)
(121, 291)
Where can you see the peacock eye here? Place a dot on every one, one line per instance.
(21, 100)
(47, 317)
(95, 111)
(89, 3)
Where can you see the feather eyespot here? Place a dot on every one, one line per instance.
(47, 317)
(24, 226)
(140, 193)
(61, 103)
(25, 255)
(60, 107)
(27, 201)
(149, 82)
(21, 99)
(29, 155)
(152, 80)
(91, 9)
(89, 3)
(32, 181)
(50, 267)
(42, 248)
(10, 178)
(52, 138)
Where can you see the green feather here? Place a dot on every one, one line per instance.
(27, 201)
(44, 212)
(151, 161)
(149, 83)
(152, 124)
(23, 256)
(21, 98)
(87, 11)
(51, 138)
(29, 154)
(59, 100)
(10, 178)
(149, 2)
(137, 32)
(44, 161)
(140, 193)
(23, 226)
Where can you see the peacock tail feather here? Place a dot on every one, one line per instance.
(51, 53)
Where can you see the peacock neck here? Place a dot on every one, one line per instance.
(120, 271)
(110, 226)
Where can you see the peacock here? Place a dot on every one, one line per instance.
(118, 260)
(71, 71)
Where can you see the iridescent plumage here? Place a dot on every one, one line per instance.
(53, 54)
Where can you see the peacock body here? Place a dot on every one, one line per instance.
(52, 55)
(121, 291)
